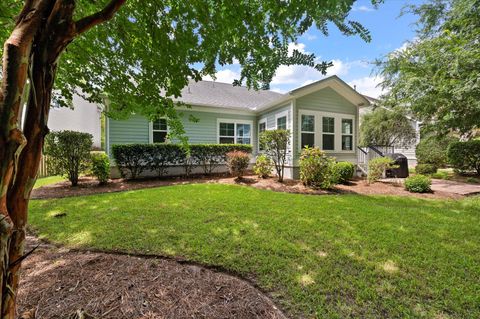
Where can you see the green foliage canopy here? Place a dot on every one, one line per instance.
(437, 75)
(141, 59)
(387, 127)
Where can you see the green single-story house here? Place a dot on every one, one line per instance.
(324, 114)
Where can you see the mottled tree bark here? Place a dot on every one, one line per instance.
(43, 30)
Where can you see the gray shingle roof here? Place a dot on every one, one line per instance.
(215, 94)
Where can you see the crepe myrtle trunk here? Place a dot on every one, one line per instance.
(43, 30)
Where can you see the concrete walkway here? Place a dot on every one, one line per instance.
(441, 185)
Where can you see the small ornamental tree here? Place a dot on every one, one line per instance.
(70, 153)
(386, 127)
(275, 144)
(432, 149)
(465, 156)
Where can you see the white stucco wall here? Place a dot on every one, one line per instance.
(85, 117)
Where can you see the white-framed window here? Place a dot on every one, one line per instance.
(307, 130)
(159, 131)
(281, 121)
(328, 133)
(331, 132)
(262, 127)
(347, 134)
(234, 132)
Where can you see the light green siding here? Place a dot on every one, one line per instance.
(326, 100)
(136, 129)
(133, 130)
(270, 116)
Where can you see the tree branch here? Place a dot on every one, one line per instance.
(106, 14)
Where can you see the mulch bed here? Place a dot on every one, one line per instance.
(89, 186)
(58, 283)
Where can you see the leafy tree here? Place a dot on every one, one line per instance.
(139, 61)
(387, 127)
(437, 76)
(432, 149)
(70, 153)
(275, 144)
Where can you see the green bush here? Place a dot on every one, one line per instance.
(440, 175)
(263, 166)
(134, 159)
(426, 169)
(69, 153)
(465, 156)
(418, 184)
(237, 162)
(100, 166)
(275, 145)
(377, 168)
(433, 150)
(344, 171)
(317, 170)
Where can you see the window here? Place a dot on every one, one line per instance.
(159, 131)
(231, 133)
(243, 133)
(328, 136)
(307, 130)
(262, 127)
(282, 123)
(227, 133)
(347, 134)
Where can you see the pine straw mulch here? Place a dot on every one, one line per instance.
(89, 186)
(58, 283)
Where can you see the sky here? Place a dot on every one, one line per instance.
(351, 56)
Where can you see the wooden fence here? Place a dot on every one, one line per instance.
(45, 168)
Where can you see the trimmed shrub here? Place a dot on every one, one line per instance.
(275, 145)
(131, 159)
(465, 156)
(263, 166)
(237, 162)
(134, 159)
(418, 184)
(317, 170)
(426, 169)
(69, 152)
(377, 168)
(433, 150)
(211, 156)
(344, 171)
(100, 166)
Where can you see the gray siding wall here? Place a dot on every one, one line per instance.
(327, 100)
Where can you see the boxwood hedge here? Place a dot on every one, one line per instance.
(134, 159)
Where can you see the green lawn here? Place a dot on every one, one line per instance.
(319, 256)
(43, 181)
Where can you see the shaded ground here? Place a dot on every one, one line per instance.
(89, 186)
(56, 283)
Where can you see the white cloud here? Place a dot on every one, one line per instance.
(224, 76)
(368, 86)
(309, 36)
(362, 8)
(278, 90)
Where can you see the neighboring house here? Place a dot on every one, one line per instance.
(84, 117)
(323, 114)
(409, 150)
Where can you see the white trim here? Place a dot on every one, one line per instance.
(235, 122)
(319, 130)
(107, 134)
(212, 109)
